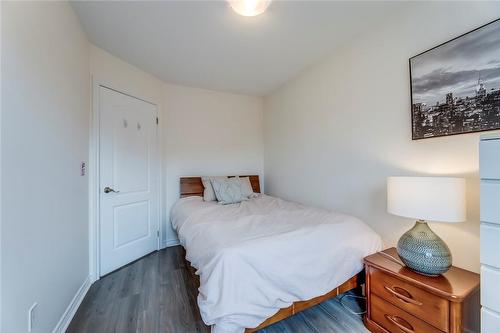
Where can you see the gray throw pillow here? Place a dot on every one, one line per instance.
(228, 190)
(208, 192)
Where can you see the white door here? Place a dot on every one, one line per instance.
(128, 183)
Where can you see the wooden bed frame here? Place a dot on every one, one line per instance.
(192, 186)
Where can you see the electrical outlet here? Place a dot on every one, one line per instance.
(32, 316)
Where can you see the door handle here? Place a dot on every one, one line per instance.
(109, 189)
(402, 324)
(402, 297)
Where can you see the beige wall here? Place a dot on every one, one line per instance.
(203, 132)
(334, 133)
(45, 122)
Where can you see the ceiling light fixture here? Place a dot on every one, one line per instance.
(249, 7)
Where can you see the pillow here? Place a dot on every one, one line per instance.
(208, 192)
(228, 190)
(246, 187)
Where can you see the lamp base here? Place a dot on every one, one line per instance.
(423, 251)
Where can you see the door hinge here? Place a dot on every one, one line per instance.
(157, 233)
(156, 120)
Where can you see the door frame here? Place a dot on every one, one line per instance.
(94, 175)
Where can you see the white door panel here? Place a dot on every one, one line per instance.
(128, 158)
(130, 223)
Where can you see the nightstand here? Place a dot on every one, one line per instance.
(401, 300)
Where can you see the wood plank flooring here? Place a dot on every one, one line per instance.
(156, 294)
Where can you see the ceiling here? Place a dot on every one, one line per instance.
(205, 44)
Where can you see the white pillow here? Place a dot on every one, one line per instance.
(208, 192)
(228, 190)
(246, 187)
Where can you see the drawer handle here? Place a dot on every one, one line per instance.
(403, 326)
(403, 297)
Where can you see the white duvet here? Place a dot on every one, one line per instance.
(262, 255)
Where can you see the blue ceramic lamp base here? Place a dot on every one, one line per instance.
(423, 251)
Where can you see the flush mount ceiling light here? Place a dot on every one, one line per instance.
(249, 7)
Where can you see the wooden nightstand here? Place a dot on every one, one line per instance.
(400, 300)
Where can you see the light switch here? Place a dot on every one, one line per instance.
(83, 169)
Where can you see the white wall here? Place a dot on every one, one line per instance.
(45, 117)
(202, 132)
(334, 133)
(210, 133)
(118, 74)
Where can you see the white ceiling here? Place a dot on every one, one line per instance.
(205, 44)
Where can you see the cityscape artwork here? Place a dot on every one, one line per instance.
(455, 87)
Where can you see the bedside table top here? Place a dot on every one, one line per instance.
(454, 285)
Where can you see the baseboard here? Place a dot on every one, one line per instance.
(170, 242)
(68, 315)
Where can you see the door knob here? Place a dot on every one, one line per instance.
(109, 189)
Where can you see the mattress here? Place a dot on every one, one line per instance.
(261, 255)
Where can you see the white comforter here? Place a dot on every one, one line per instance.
(264, 254)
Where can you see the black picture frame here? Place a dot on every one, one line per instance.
(456, 115)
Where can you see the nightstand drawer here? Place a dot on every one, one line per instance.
(489, 159)
(490, 321)
(415, 301)
(394, 319)
(490, 280)
(490, 208)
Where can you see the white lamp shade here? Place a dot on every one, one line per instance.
(439, 199)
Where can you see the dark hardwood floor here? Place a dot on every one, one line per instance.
(156, 294)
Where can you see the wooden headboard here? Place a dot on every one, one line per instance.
(192, 186)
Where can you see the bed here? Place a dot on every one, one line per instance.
(265, 259)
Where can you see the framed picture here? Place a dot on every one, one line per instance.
(455, 87)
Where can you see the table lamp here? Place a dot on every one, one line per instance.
(440, 199)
